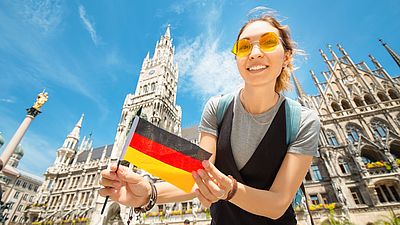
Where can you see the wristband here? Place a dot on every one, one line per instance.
(232, 192)
(151, 203)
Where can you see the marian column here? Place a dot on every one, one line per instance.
(32, 113)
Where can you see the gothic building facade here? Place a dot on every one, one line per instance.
(71, 186)
(357, 175)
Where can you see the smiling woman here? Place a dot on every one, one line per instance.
(262, 143)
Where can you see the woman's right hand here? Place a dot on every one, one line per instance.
(125, 186)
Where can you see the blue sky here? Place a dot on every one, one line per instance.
(88, 54)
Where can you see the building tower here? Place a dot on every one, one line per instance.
(155, 92)
(392, 53)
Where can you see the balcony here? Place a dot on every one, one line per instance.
(378, 168)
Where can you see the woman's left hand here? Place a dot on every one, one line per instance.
(212, 184)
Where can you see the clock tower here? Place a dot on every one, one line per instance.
(155, 93)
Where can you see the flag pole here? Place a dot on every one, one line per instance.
(119, 162)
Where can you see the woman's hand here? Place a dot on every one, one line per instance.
(125, 186)
(212, 184)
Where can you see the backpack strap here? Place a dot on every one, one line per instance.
(293, 113)
(223, 104)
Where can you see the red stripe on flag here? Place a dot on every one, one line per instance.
(165, 154)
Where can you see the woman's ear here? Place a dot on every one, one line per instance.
(287, 59)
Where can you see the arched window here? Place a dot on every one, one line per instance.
(359, 102)
(353, 133)
(382, 96)
(370, 154)
(344, 166)
(153, 86)
(316, 172)
(145, 89)
(335, 107)
(395, 149)
(393, 94)
(345, 104)
(387, 193)
(379, 128)
(331, 136)
(369, 99)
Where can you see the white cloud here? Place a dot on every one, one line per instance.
(88, 24)
(205, 68)
(7, 100)
(46, 14)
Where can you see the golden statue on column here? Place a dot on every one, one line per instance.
(40, 100)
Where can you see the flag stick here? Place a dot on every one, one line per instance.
(107, 197)
(119, 161)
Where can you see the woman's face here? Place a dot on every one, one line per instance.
(260, 68)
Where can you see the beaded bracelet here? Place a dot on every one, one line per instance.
(232, 192)
(151, 203)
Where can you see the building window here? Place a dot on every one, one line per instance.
(358, 199)
(308, 176)
(184, 206)
(153, 86)
(332, 140)
(344, 167)
(314, 199)
(16, 194)
(316, 172)
(19, 208)
(18, 183)
(325, 198)
(353, 134)
(387, 193)
(25, 197)
(379, 129)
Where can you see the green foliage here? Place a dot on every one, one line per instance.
(392, 219)
(333, 219)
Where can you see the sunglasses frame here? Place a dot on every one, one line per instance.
(235, 46)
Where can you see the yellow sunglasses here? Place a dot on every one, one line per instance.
(267, 43)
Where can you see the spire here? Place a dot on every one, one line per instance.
(167, 32)
(299, 89)
(392, 53)
(77, 128)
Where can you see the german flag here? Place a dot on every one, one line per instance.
(163, 154)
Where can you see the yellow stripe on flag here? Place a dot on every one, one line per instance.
(178, 177)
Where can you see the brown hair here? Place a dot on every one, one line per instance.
(283, 80)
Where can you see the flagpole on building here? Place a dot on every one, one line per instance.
(119, 162)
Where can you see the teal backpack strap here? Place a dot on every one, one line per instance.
(293, 113)
(223, 104)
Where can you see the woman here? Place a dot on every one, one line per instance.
(253, 173)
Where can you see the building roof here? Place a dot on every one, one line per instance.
(96, 153)
(190, 133)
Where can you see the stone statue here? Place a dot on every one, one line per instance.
(40, 100)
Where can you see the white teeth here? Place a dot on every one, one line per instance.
(257, 68)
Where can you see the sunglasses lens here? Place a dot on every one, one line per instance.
(242, 48)
(269, 41)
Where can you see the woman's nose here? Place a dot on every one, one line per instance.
(256, 52)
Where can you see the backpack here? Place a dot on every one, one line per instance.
(293, 113)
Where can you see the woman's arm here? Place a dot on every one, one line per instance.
(273, 203)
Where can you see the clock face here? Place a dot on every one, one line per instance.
(151, 72)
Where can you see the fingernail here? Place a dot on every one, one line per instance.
(206, 164)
